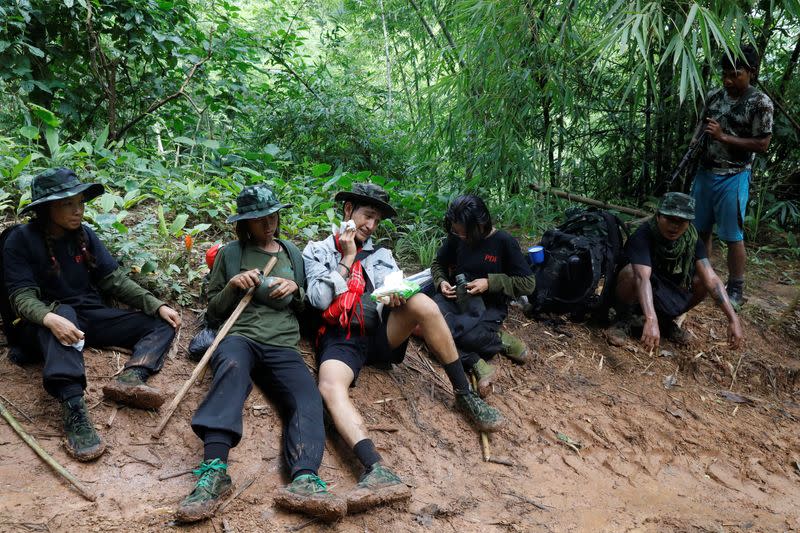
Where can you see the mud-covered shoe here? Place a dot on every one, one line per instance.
(483, 372)
(130, 388)
(619, 333)
(379, 485)
(479, 413)
(513, 348)
(677, 334)
(309, 494)
(81, 439)
(735, 292)
(213, 484)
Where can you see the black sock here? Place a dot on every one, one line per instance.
(216, 445)
(70, 393)
(366, 453)
(74, 401)
(455, 371)
(303, 473)
(735, 283)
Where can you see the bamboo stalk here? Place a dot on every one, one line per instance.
(590, 201)
(46, 457)
(201, 365)
(484, 436)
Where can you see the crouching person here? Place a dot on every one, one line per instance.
(342, 271)
(261, 347)
(56, 273)
(668, 274)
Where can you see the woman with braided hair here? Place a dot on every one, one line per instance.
(57, 272)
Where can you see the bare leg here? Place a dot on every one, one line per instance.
(737, 258)
(335, 378)
(421, 310)
(626, 291)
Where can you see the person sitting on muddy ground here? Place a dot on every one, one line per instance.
(668, 273)
(262, 348)
(57, 274)
(495, 271)
(343, 270)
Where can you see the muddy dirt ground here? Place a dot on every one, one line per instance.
(640, 457)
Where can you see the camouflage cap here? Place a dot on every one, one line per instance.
(676, 204)
(57, 184)
(369, 194)
(256, 201)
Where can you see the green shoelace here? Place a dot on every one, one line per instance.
(206, 468)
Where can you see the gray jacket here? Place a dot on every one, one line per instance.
(324, 281)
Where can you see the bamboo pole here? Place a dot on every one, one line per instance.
(201, 365)
(484, 436)
(590, 201)
(46, 457)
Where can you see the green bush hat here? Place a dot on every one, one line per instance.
(676, 204)
(368, 194)
(256, 201)
(57, 184)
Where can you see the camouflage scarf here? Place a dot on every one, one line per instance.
(675, 257)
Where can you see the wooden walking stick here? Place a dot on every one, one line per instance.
(484, 436)
(201, 366)
(46, 457)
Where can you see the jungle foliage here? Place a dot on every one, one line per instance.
(177, 104)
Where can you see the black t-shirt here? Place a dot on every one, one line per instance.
(498, 253)
(27, 264)
(639, 249)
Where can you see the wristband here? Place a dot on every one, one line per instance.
(345, 267)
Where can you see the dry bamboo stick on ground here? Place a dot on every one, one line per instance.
(46, 457)
(201, 366)
(484, 436)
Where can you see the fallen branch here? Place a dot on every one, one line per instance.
(175, 474)
(239, 492)
(590, 201)
(201, 365)
(20, 411)
(30, 441)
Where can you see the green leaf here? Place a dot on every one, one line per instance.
(16, 169)
(45, 115)
(35, 51)
(29, 132)
(184, 140)
(102, 137)
(272, 150)
(178, 224)
(211, 143)
(107, 202)
(148, 267)
(51, 136)
(162, 223)
(120, 227)
(320, 170)
(689, 20)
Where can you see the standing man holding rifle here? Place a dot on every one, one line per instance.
(728, 144)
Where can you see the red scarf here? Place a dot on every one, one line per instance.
(347, 305)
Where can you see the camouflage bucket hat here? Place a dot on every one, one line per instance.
(57, 184)
(369, 194)
(676, 204)
(256, 201)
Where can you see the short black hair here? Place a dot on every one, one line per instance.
(243, 234)
(469, 210)
(749, 60)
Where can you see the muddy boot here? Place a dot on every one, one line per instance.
(479, 413)
(309, 494)
(81, 439)
(377, 486)
(677, 334)
(130, 388)
(213, 484)
(484, 373)
(619, 333)
(513, 348)
(735, 290)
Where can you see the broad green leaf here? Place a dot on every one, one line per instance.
(320, 170)
(51, 136)
(29, 132)
(19, 167)
(45, 115)
(148, 267)
(689, 20)
(102, 137)
(178, 224)
(184, 140)
(211, 143)
(162, 223)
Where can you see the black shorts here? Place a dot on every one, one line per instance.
(669, 299)
(372, 349)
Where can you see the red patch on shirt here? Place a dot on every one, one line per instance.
(490, 258)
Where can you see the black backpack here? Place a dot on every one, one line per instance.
(10, 318)
(582, 257)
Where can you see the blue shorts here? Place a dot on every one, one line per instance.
(722, 200)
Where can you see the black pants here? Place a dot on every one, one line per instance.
(281, 374)
(64, 373)
(476, 335)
